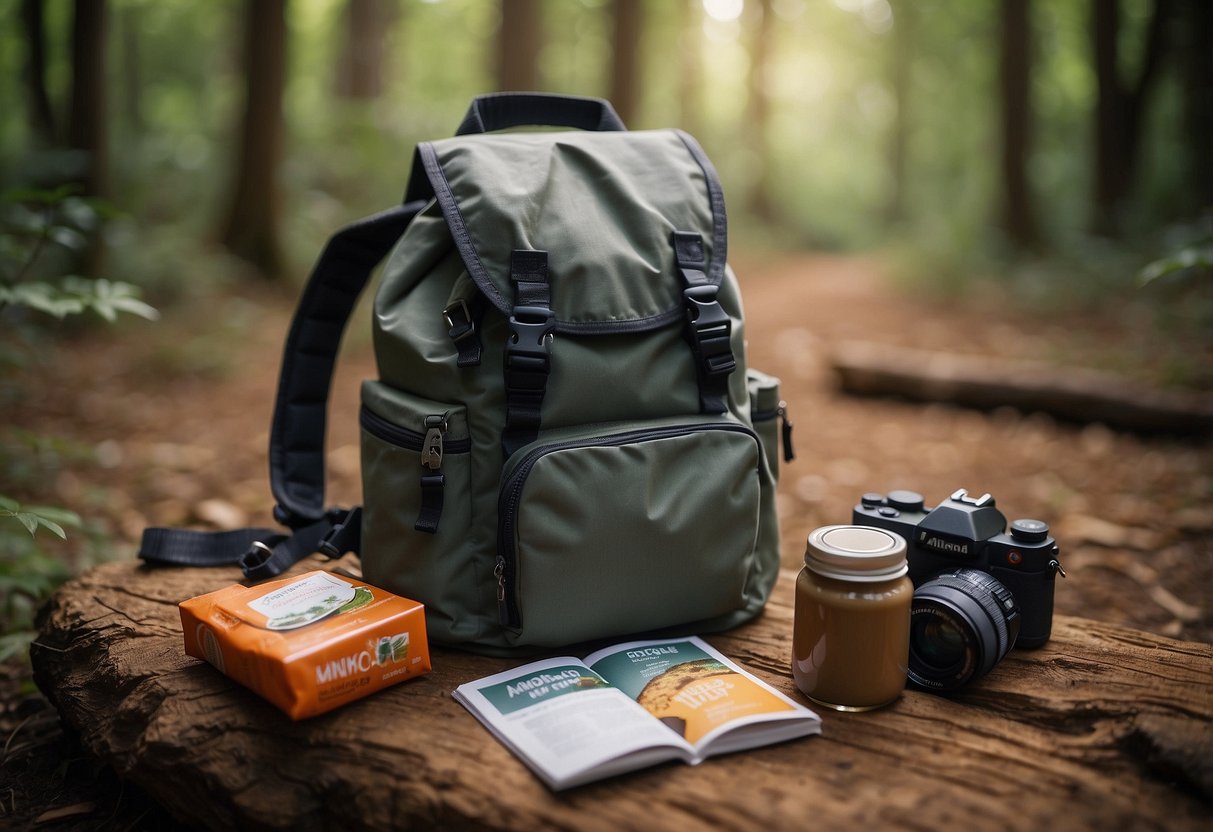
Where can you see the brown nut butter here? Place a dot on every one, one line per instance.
(851, 636)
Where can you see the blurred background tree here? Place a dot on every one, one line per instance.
(965, 134)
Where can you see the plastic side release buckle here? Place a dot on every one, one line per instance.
(531, 332)
(711, 330)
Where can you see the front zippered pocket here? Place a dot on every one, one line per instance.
(619, 529)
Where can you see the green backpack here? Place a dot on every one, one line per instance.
(563, 443)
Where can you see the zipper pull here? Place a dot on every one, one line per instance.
(782, 412)
(432, 479)
(503, 616)
(431, 448)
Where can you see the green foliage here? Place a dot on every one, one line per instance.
(35, 517)
(40, 230)
(28, 572)
(1191, 263)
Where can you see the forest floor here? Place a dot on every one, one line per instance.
(175, 415)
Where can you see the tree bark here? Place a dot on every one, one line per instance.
(1018, 216)
(519, 40)
(87, 122)
(38, 100)
(1197, 83)
(986, 383)
(250, 227)
(1120, 108)
(360, 66)
(1102, 728)
(627, 18)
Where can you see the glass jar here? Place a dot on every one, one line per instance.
(851, 636)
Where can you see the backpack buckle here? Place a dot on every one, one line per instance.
(710, 330)
(529, 347)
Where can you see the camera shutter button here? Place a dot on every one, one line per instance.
(871, 500)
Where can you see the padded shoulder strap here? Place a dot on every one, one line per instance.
(301, 409)
(296, 452)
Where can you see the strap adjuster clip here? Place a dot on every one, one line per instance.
(346, 534)
(459, 321)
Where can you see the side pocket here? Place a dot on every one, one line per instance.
(416, 482)
(769, 414)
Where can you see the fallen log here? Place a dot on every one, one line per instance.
(865, 368)
(1102, 728)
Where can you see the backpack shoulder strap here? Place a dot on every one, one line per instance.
(296, 452)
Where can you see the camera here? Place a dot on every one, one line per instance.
(980, 589)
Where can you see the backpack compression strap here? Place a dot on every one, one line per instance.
(300, 413)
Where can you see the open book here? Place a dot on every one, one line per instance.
(630, 706)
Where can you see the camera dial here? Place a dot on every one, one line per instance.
(1027, 530)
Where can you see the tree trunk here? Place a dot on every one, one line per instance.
(86, 126)
(41, 113)
(1120, 108)
(250, 229)
(1197, 83)
(627, 17)
(518, 43)
(1018, 218)
(360, 67)
(901, 64)
(758, 119)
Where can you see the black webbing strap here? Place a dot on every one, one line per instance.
(528, 350)
(296, 453)
(709, 328)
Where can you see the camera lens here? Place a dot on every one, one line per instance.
(961, 624)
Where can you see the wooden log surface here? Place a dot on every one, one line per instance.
(1103, 728)
(1080, 395)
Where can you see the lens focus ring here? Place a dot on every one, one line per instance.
(964, 623)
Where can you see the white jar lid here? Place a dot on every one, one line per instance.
(856, 553)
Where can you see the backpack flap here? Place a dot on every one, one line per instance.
(602, 205)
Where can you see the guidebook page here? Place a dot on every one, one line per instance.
(698, 693)
(568, 723)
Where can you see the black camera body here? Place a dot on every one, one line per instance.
(966, 532)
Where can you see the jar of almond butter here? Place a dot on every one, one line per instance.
(851, 636)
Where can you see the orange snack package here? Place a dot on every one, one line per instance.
(309, 643)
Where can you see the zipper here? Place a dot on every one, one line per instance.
(506, 567)
(402, 437)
